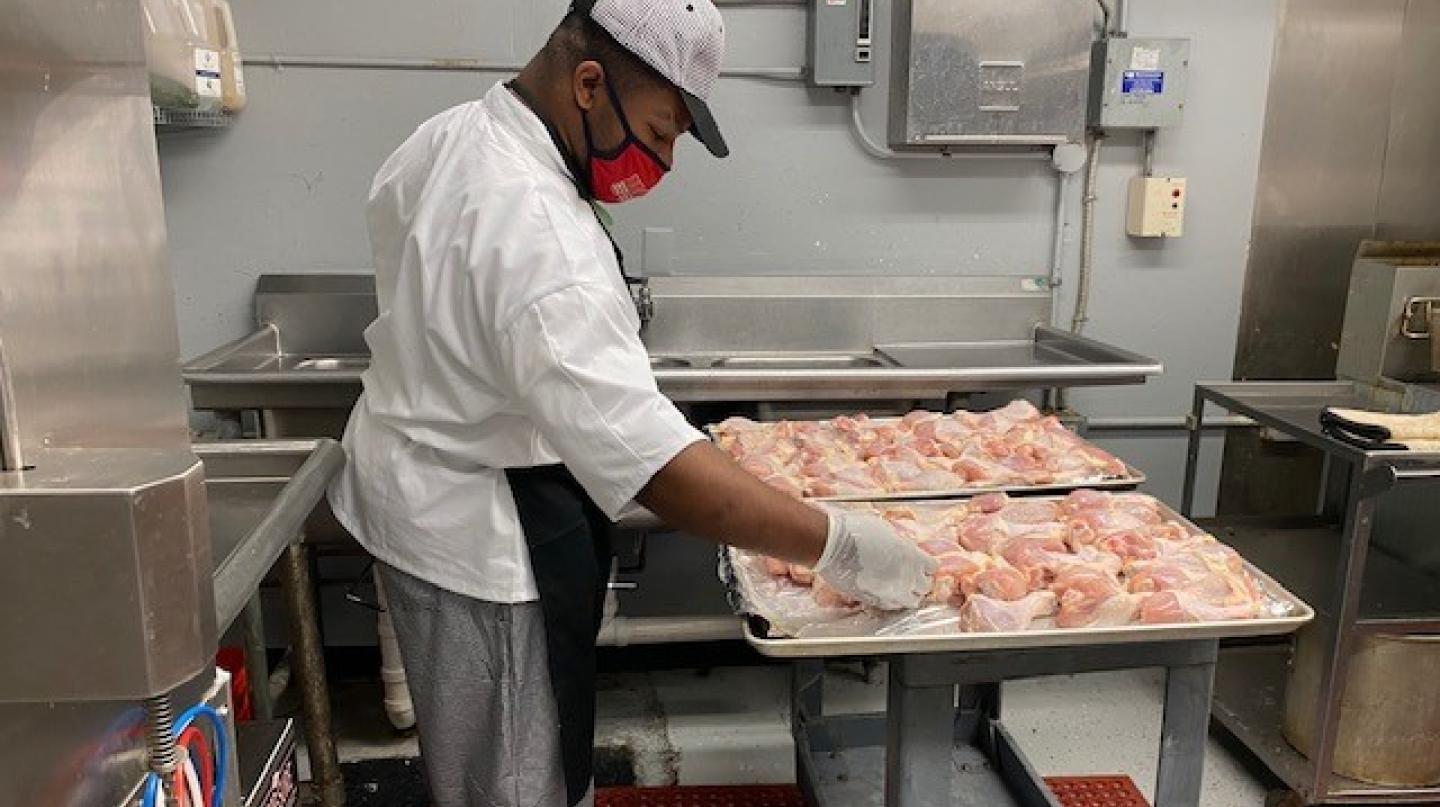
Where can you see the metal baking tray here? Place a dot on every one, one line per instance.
(870, 645)
(1133, 478)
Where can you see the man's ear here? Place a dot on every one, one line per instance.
(588, 82)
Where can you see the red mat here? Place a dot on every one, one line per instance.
(1096, 791)
(1070, 791)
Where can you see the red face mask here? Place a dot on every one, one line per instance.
(627, 171)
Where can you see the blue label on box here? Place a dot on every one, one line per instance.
(1142, 82)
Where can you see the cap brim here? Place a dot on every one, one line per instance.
(703, 125)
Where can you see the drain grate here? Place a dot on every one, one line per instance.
(738, 796)
(1096, 791)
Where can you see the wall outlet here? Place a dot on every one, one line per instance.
(1157, 207)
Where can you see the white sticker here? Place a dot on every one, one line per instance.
(834, 2)
(1034, 284)
(1145, 59)
(239, 78)
(207, 73)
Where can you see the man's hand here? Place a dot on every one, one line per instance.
(865, 558)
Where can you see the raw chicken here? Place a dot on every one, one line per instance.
(1092, 597)
(1090, 559)
(982, 614)
(920, 452)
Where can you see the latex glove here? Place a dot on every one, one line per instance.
(866, 559)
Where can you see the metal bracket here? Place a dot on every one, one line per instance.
(1418, 309)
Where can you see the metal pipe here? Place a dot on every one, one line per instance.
(281, 62)
(879, 152)
(1122, 13)
(1062, 224)
(12, 457)
(1141, 424)
(622, 631)
(1087, 238)
(309, 665)
(1105, 12)
(1148, 141)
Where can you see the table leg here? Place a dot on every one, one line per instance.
(309, 660)
(1183, 734)
(919, 741)
(1196, 425)
(257, 665)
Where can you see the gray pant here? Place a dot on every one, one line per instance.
(484, 705)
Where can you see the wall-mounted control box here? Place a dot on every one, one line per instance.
(1138, 83)
(841, 43)
(1157, 207)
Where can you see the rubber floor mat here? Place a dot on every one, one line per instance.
(1096, 791)
(737, 796)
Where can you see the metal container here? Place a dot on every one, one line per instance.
(1389, 713)
(1394, 288)
(990, 72)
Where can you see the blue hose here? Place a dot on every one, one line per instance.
(152, 790)
(222, 745)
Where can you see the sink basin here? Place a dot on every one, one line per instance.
(334, 363)
(669, 363)
(259, 494)
(819, 362)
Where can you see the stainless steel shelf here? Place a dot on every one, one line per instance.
(1303, 554)
(1250, 704)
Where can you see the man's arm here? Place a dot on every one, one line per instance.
(703, 492)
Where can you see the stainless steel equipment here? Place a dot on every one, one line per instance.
(712, 339)
(1389, 718)
(1394, 292)
(1336, 559)
(990, 72)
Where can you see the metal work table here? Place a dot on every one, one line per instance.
(1328, 560)
(941, 740)
(259, 495)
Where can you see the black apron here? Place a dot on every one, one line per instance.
(569, 541)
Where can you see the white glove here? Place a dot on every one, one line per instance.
(866, 559)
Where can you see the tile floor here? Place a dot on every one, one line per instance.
(729, 725)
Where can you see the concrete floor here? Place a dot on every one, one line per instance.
(730, 726)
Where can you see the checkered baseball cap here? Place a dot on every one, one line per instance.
(683, 40)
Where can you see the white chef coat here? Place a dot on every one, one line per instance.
(506, 339)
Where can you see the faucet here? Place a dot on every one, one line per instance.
(644, 300)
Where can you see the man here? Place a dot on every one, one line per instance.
(510, 411)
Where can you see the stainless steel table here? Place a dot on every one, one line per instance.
(1325, 558)
(941, 740)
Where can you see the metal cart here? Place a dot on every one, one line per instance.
(1328, 561)
(941, 741)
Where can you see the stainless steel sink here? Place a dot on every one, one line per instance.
(259, 494)
(333, 363)
(800, 362)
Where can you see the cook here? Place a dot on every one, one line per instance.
(509, 412)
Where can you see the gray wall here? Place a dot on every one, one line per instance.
(283, 190)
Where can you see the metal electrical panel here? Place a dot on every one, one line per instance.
(840, 44)
(990, 72)
(1139, 83)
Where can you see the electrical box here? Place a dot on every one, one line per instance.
(1138, 83)
(840, 46)
(989, 72)
(1157, 207)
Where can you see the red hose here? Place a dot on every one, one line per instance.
(194, 742)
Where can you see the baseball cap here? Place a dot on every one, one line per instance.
(683, 40)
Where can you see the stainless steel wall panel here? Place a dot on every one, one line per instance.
(1326, 132)
(87, 309)
(1410, 190)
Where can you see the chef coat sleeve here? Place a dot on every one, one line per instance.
(582, 375)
